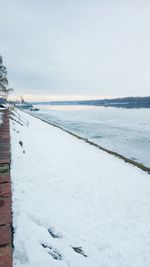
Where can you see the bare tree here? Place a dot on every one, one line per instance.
(4, 86)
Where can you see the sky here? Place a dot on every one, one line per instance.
(81, 49)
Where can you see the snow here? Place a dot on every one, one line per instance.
(68, 194)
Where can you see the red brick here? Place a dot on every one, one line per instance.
(4, 179)
(5, 189)
(5, 194)
(5, 210)
(4, 155)
(5, 235)
(6, 256)
(3, 161)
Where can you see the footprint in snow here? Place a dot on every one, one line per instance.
(79, 250)
(53, 233)
(53, 252)
(21, 143)
(50, 229)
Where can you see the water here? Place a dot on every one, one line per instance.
(125, 131)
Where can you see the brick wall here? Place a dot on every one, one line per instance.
(5, 194)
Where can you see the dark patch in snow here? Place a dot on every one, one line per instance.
(21, 143)
(16, 130)
(79, 250)
(53, 252)
(53, 233)
(12, 235)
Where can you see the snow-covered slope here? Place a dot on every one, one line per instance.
(74, 205)
(125, 131)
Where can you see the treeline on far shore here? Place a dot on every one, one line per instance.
(125, 102)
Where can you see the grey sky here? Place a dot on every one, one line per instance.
(87, 47)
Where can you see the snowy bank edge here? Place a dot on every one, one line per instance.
(125, 159)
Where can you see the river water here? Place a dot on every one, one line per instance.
(125, 131)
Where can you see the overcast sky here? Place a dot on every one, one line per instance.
(76, 48)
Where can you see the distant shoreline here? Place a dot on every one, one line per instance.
(125, 102)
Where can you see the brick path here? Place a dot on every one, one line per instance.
(5, 194)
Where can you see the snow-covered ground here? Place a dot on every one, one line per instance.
(74, 205)
(125, 131)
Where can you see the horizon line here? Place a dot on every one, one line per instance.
(86, 98)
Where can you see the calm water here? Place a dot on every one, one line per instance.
(126, 131)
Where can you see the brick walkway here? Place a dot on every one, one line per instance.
(5, 194)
